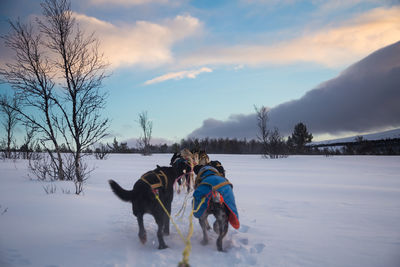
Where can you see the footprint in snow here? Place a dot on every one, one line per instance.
(244, 241)
(258, 248)
(244, 228)
(243, 256)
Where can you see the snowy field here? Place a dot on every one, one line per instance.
(299, 211)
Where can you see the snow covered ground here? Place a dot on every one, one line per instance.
(299, 211)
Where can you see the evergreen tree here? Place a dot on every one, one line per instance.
(300, 137)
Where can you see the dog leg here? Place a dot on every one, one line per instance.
(166, 218)
(221, 226)
(203, 224)
(189, 182)
(208, 227)
(142, 231)
(160, 222)
(216, 227)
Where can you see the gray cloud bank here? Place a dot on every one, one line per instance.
(365, 97)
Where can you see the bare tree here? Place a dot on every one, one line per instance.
(60, 54)
(277, 146)
(31, 77)
(102, 151)
(27, 147)
(263, 132)
(147, 128)
(10, 120)
(359, 139)
(82, 67)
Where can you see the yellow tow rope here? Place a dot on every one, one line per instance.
(188, 245)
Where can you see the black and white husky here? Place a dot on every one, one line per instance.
(159, 181)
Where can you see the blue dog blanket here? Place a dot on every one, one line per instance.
(209, 178)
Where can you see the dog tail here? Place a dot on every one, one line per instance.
(123, 194)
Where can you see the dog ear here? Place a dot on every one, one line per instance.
(197, 168)
(173, 158)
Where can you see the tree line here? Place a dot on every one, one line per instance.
(269, 144)
(243, 146)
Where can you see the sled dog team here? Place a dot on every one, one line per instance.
(213, 194)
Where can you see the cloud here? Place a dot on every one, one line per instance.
(237, 126)
(320, 5)
(143, 43)
(325, 7)
(271, 2)
(332, 5)
(192, 74)
(127, 2)
(331, 46)
(363, 98)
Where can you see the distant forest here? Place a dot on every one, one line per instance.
(230, 146)
(233, 146)
(236, 146)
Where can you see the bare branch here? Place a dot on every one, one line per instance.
(147, 127)
(82, 68)
(7, 109)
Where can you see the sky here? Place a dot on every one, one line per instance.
(199, 67)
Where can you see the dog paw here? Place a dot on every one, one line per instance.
(143, 237)
(221, 249)
(204, 242)
(164, 246)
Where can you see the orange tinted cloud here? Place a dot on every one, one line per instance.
(143, 43)
(333, 46)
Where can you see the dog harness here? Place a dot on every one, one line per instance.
(205, 172)
(210, 181)
(155, 184)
